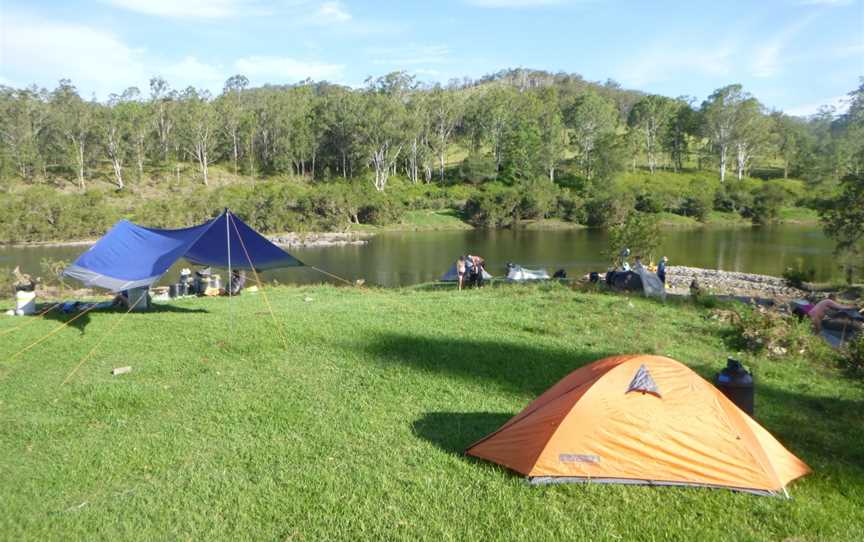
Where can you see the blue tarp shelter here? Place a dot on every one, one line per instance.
(132, 256)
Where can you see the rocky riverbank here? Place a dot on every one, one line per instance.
(320, 239)
(731, 283)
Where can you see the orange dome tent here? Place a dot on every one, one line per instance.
(640, 419)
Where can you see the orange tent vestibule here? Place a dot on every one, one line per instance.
(640, 419)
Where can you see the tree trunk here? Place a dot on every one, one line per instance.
(236, 153)
(80, 153)
(723, 151)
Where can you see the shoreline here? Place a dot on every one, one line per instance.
(360, 236)
(287, 239)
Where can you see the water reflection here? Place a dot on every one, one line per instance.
(395, 259)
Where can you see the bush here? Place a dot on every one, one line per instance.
(377, 209)
(797, 276)
(571, 207)
(494, 206)
(760, 330)
(648, 202)
(767, 202)
(640, 232)
(478, 168)
(697, 207)
(607, 209)
(539, 199)
(852, 355)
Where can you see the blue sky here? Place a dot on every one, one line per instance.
(792, 54)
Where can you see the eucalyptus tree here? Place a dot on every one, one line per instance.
(487, 117)
(521, 140)
(750, 134)
(339, 112)
(445, 108)
(723, 112)
(23, 123)
(589, 117)
(553, 134)
(163, 100)
(74, 119)
(230, 107)
(114, 128)
(418, 128)
(198, 126)
(682, 126)
(384, 120)
(649, 116)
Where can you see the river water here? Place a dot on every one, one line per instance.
(404, 258)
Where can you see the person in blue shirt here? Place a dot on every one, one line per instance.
(661, 269)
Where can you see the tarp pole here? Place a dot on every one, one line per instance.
(228, 278)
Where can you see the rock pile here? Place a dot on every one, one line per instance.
(732, 283)
(319, 239)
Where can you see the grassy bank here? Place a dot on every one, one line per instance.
(354, 427)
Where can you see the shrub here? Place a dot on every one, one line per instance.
(852, 355)
(494, 206)
(377, 209)
(797, 276)
(767, 203)
(640, 232)
(478, 168)
(607, 209)
(571, 207)
(539, 199)
(760, 330)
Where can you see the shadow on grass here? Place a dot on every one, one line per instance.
(453, 432)
(824, 431)
(514, 367)
(82, 322)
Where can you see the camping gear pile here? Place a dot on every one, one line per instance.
(640, 419)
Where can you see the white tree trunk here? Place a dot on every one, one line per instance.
(723, 152)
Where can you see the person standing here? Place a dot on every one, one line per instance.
(477, 264)
(460, 271)
(661, 269)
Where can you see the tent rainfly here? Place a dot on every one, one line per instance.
(640, 419)
(132, 256)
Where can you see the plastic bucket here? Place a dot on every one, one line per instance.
(25, 302)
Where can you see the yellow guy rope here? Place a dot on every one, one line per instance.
(337, 277)
(260, 286)
(31, 320)
(101, 340)
(52, 332)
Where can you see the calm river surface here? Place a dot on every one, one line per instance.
(398, 259)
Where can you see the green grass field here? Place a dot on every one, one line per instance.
(353, 427)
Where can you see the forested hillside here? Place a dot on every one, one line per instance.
(515, 145)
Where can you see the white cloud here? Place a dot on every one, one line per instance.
(515, 3)
(409, 55)
(274, 69)
(769, 57)
(662, 63)
(332, 12)
(840, 103)
(98, 62)
(300, 11)
(191, 9)
(93, 58)
(826, 2)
